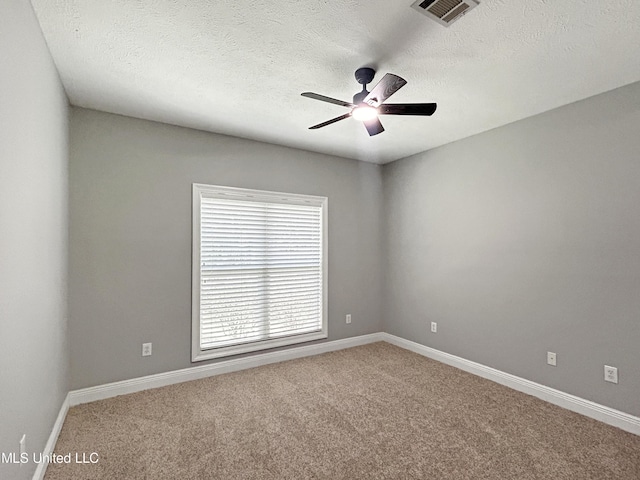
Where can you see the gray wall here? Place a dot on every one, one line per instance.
(33, 236)
(523, 240)
(130, 236)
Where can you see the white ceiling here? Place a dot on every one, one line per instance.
(238, 67)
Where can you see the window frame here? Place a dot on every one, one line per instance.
(217, 191)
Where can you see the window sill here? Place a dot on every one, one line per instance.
(200, 355)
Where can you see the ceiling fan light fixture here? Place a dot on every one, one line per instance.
(367, 106)
(364, 113)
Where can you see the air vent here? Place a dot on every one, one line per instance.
(445, 12)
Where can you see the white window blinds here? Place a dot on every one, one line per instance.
(260, 270)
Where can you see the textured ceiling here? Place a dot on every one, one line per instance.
(238, 67)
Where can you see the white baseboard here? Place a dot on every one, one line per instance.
(53, 438)
(588, 408)
(576, 404)
(101, 392)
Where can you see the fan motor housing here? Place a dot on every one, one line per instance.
(358, 98)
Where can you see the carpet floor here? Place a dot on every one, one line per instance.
(370, 412)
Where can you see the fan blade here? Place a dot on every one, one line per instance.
(386, 87)
(374, 126)
(322, 98)
(425, 109)
(329, 122)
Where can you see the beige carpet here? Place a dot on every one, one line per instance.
(369, 412)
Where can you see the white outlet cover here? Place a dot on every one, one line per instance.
(434, 327)
(551, 358)
(146, 349)
(348, 318)
(610, 374)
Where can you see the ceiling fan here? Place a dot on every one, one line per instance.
(366, 106)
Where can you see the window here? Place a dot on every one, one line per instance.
(259, 270)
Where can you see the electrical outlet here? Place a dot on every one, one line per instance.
(348, 318)
(551, 358)
(610, 374)
(434, 327)
(146, 349)
(23, 444)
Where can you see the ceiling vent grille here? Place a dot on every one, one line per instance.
(445, 12)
